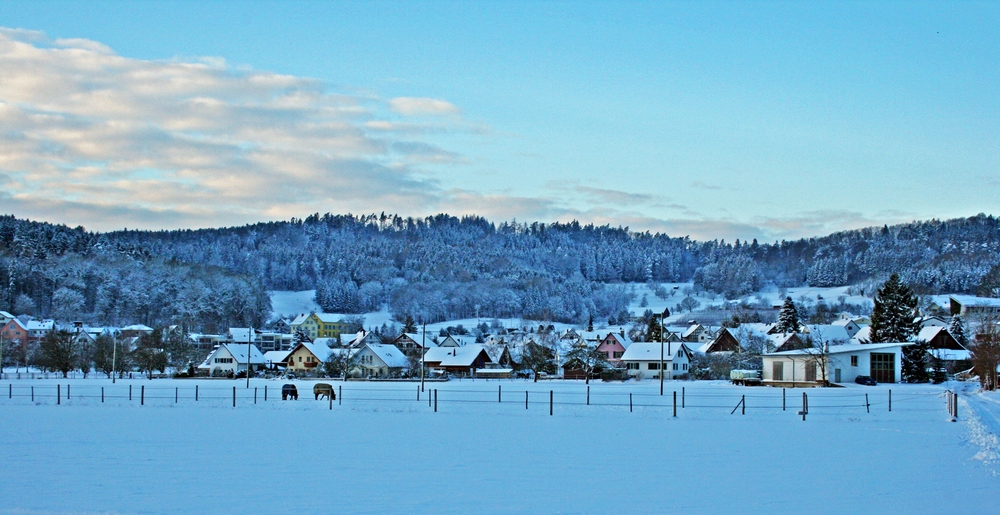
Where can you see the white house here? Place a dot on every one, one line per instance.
(380, 360)
(231, 358)
(840, 364)
(642, 360)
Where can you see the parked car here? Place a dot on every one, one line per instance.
(865, 380)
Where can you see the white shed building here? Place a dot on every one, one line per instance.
(642, 360)
(232, 358)
(840, 364)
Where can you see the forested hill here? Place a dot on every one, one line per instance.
(446, 267)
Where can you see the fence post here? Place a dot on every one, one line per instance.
(805, 406)
(67, 392)
(340, 395)
(10, 391)
(782, 399)
(435, 400)
(234, 396)
(255, 395)
(588, 396)
(526, 399)
(177, 394)
(129, 392)
(32, 394)
(675, 403)
(630, 402)
(58, 394)
(102, 394)
(142, 395)
(743, 402)
(328, 397)
(550, 403)
(867, 406)
(890, 400)
(265, 393)
(195, 393)
(954, 405)
(682, 397)
(499, 393)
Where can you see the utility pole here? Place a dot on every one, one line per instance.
(661, 366)
(249, 340)
(423, 353)
(114, 357)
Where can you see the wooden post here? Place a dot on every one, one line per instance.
(682, 396)
(67, 392)
(102, 394)
(499, 393)
(526, 399)
(32, 394)
(142, 395)
(58, 394)
(177, 394)
(340, 395)
(805, 406)
(129, 392)
(743, 403)
(435, 400)
(328, 397)
(588, 396)
(255, 395)
(782, 399)
(630, 402)
(10, 391)
(418, 392)
(550, 403)
(265, 393)
(890, 400)
(675, 403)
(955, 404)
(867, 406)
(234, 396)
(195, 393)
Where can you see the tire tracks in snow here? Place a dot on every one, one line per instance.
(984, 427)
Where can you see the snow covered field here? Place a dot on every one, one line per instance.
(382, 450)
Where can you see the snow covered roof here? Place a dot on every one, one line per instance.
(238, 352)
(840, 349)
(241, 334)
(320, 350)
(690, 330)
(623, 339)
(972, 300)
(43, 325)
(864, 335)
(6, 315)
(928, 333)
(650, 351)
(276, 356)
(419, 339)
(455, 356)
(299, 319)
(389, 354)
(138, 327)
(831, 332)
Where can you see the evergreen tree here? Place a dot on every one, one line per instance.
(587, 358)
(957, 329)
(914, 363)
(938, 374)
(989, 285)
(409, 325)
(653, 332)
(894, 318)
(788, 318)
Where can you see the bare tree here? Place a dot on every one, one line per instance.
(984, 350)
(587, 358)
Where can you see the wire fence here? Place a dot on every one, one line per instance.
(675, 402)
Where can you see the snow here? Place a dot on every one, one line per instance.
(478, 455)
(292, 303)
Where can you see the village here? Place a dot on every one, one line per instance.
(317, 345)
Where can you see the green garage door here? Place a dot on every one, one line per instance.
(883, 367)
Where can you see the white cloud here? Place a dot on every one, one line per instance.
(414, 106)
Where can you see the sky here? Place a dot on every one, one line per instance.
(716, 120)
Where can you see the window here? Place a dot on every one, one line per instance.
(675, 366)
(652, 366)
(685, 366)
(778, 371)
(854, 361)
(618, 354)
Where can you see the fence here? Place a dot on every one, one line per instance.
(504, 396)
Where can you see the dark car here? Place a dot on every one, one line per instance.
(865, 380)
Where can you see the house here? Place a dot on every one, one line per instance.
(13, 330)
(938, 337)
(229, 359)
(318, 325)
(697, 333)
(39, 329)
(458, 360)
(412, 343)
(5, 317)
(137, 331)
(363, 337)
(614, 345)
(783, 342)
(449, 341)
(966, 305)
(381, 360)
(725, 341)
(307, 356)
(849, 326)
(642, 360)
(266, 341)
(276, 359)
(840, 363)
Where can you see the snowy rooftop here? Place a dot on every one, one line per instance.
(840, 349)
(972, 300)
(389, 355)
(455, 356)
(650, 351)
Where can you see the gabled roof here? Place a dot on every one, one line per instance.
(840, 349)
(864, 335)
(456, 356)
(138, 327)
(972, 300)
(624, 340)
(389, 354)
(319, 350)
(276, 356)
(690, 330)
(40, 325)
(241, 334)
(238, 352)
(4, 314)
(419, 339)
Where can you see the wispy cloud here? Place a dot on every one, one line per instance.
(412, 106)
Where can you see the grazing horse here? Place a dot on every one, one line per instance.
(324, 390)
(289, 390)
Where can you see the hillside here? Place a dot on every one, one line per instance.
(444, 267)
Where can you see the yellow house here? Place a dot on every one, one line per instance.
(318, 325)
(307, 357)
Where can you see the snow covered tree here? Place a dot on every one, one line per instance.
(149, 354)
(788, 318)
(409, 325)
(538, 358)
(587, 358)
(914, 363)
(653, 327)
(894, 318)
(989, 285)
(688, 303)
(104, 355)
(957, 330)
(938, 373)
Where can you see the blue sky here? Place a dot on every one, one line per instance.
(717, 120)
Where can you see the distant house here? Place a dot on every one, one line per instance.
(697, 333)
(232, 359)
(642, 360)
(318, 325)
(39, 329)
(307, 356)
(276, 359)
(449, 341)
(363, 337)
(966, 305)
(725, 341)
(5, 317)
(784, 342)
(843, 363)
(135, 331)
(412, 343)
(458, 360)
(614, 346)
(849, 326)
(381, 360)
(14, 330)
